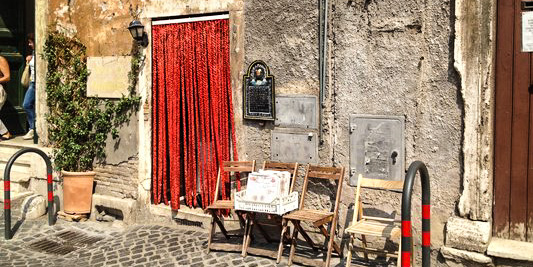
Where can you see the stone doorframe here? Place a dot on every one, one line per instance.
(475, 31)
(161, 9)
(41, 22)
(474, 58)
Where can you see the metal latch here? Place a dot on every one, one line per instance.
(353, 127)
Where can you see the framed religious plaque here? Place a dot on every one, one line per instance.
(258, 92)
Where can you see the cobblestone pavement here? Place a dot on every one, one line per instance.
(112, 244)
(141, 245)
(103, 244)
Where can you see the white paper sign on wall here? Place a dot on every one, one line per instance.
(527, 31)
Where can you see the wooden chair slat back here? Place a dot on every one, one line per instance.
(239, 169)
(292, 168)
(324, 172)
(317, 172)
(233, 166)
(381, 184)
(371, 183)
(238, 166)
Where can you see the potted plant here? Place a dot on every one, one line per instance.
(78, 126)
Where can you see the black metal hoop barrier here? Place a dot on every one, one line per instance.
(406, 214)
(7, 191)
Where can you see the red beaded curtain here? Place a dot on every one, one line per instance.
(193, 127)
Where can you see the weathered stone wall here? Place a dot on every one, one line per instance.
(396, 58)
(118, 180)
(284, 34)
(467, 238)
(388, 59)
(100, 25)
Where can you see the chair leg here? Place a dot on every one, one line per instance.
(293, 244)
(242, 221)
(306, 236)
(331, 243)
(247, 231)
(284, 223)
(220, 224)
(363, 238)
(399, 262)
(335, 246)
(350, 248)
(211, 233)
(287, 235)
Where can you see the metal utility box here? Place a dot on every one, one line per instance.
(296, 111)
(377, 147)
(298, 147)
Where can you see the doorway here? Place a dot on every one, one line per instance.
(17, 19)
(513, 132)
(192, 112)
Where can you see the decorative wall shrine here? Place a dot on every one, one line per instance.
(258, 92)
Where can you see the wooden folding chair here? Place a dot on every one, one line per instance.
(219, 206)
(374, 226)
(318, 218)
(292, 168)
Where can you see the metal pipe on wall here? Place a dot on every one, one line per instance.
(322, 60)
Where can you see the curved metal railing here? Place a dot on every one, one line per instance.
(7, 191)
(406, 214)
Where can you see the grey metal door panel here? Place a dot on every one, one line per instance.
(294, 147)
(296, 111)
(377, 147)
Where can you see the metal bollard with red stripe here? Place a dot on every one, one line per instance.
(406, 214)
(7, 191)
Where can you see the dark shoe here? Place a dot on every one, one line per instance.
(7, 136)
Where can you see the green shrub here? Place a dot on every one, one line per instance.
(78, 126)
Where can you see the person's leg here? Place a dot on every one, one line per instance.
(3, 129)
(4, 132)
(29, 104)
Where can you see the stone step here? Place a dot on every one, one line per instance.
(17, 176)
(511, 249)
(10, 147)
(188, 216)
(27, 165)
(21, 161)
(6, 154)
(15, 194)
(16, 167)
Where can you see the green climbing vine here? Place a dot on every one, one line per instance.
(78, 126)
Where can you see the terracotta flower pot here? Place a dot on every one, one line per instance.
(77, 191)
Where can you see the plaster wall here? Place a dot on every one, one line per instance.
(101, 26)
(397, 59)
(386, 58)
(284, 34)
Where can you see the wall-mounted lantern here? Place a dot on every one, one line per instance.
(137, 32)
